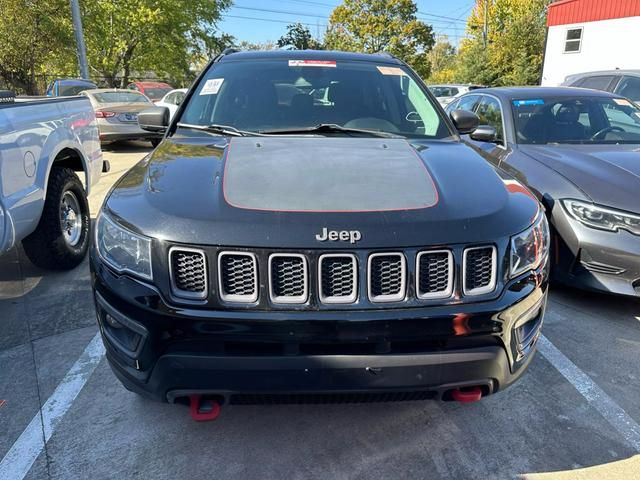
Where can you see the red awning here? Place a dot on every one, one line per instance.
(566, 12)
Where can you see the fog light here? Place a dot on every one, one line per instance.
(113, 323)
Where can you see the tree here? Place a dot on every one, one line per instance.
(245, 45)
(442, 61)
(162, 36)
(33, 41)
(514, 45)
(381, 25)
(299, 37)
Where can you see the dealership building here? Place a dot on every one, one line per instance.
(590, 35)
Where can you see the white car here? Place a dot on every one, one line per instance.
(446, 93)
(172, 100)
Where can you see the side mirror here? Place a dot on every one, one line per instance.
(465, 121)
(154, 119)
(484, 133)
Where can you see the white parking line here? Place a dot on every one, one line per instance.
(18, 461)
(597, 398)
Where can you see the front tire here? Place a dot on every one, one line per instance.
(61, 239)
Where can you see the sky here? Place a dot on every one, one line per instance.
(261, 21)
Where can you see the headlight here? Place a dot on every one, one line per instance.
(603, 218)
(530, 248)
(123, 250)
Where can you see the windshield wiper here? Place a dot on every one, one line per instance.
(219, 129)
(331, 128)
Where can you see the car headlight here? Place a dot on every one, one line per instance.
(530, 248)
(122, 249)
(603, 218)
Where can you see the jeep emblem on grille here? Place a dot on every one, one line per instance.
(352, 236)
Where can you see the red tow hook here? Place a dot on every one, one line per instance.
(467, 394)
(203, 410)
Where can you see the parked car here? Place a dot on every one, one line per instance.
(577, 150)
(43, 203)
(625, 83)
(154, 90)
(352, 249)
(172, 100)
(446, 93)
(117, 114)
(68, 87)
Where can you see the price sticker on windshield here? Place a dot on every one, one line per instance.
(390, 70)
(212, 86)
(312, 63)
(622, 102)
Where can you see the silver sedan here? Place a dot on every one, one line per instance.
(117, 114)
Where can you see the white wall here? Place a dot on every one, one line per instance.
(606, 45)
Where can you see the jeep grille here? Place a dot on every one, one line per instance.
(238, 277)
(189, 273)
(479, 270)
(338, 278)
(387, 277)
(288, 278)
(434, 274)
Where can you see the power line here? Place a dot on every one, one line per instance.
(285, 12)
(271, 20)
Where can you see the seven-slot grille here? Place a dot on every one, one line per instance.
(338, 278)
(386, 277)
(337, 275)
(188, 273)
(434, 274)
(479, 271)
(288, 278)
(238, 277)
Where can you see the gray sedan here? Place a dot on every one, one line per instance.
(117, 114)
(579, 152)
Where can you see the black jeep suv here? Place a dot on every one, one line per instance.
(311, 228)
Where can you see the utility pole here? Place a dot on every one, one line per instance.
(485, 30)
(81, 49)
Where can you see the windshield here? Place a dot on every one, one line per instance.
(70, 90)
(592, 120)
(120, 97)
(444, 91)
(156, 93)
(269, 95)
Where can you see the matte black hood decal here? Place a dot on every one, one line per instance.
(326, 175)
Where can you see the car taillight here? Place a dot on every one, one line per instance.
(101, 114)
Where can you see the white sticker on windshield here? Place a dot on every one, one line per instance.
(622, 101)
(211, 86)
(390, 70)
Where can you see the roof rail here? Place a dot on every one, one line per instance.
(225, 52)
(385, 54)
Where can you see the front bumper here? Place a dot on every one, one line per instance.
(596, 259)
(166, 352)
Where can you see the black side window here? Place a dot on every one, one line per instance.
(598, 82)
(629, 87)
(490, 113)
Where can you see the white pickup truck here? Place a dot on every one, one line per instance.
(43, 202)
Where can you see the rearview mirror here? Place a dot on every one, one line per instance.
(484, 133)
(154, 119)
(464, 121)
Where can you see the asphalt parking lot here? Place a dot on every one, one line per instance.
(63, 414)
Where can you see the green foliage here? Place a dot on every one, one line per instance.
(442, 60)
(381, 25)
(299, 37)
(515, 43)
(33, 39)
(162, 36)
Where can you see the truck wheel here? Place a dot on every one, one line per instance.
(61, 240)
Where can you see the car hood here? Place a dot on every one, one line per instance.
(607, 174)
(283, 191)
